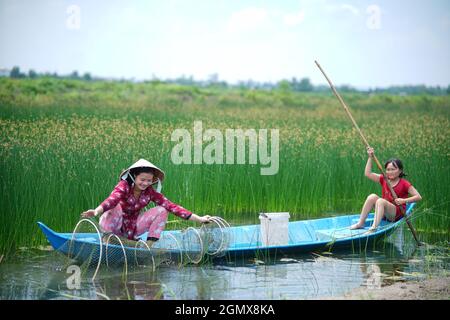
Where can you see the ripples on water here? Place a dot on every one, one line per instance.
(36, 274)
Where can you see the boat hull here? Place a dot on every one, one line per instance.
(326, 234)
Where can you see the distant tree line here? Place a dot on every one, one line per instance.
(16, 73)
(292, 85)
(305, 85)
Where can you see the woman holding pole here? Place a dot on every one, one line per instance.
(372, 155)
(386, 207)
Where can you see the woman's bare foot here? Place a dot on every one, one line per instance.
(356, 226)
(106, 236)
(149, 243)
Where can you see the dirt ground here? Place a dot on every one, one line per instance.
(434, 288)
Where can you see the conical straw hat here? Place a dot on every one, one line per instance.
(142, 163)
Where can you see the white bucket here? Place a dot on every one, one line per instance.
(274, 228)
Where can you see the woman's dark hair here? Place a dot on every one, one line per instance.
(397, 163)
(137, 171)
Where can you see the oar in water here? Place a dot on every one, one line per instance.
(380, 167)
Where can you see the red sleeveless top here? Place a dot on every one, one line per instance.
(401, 189)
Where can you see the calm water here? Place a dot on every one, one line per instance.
(38, 274)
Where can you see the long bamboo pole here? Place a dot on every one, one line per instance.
(380, 167)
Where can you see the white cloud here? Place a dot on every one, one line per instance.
(352, 9)
(335, 8)
(293, 19)
(247, 19)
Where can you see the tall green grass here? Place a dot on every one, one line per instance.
(63, 144)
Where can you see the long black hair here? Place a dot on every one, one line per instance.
(397, 163)
(137, 171)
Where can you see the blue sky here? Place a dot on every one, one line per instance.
(362, 43)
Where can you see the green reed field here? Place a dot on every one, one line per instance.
(63, 144)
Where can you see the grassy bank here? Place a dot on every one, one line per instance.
(64, 142)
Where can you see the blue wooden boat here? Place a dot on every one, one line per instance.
(304, 236)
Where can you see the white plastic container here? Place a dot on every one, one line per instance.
(274, 228)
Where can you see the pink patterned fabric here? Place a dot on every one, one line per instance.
(121, 212)
(152, 221)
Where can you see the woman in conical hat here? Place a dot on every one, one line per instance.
(121, 211)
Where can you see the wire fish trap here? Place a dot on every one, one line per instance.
(143, 255)
(216, 236)
(85, 247)
(90, 248)
(193, 248)
(168, 249)
(115, 254)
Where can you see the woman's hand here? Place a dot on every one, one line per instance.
(400, 201)
(89, 213)
(205, 219)
(375, 177)
(197, 218)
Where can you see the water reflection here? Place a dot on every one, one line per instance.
(41, 275)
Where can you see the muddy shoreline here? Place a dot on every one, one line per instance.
(431, 288)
